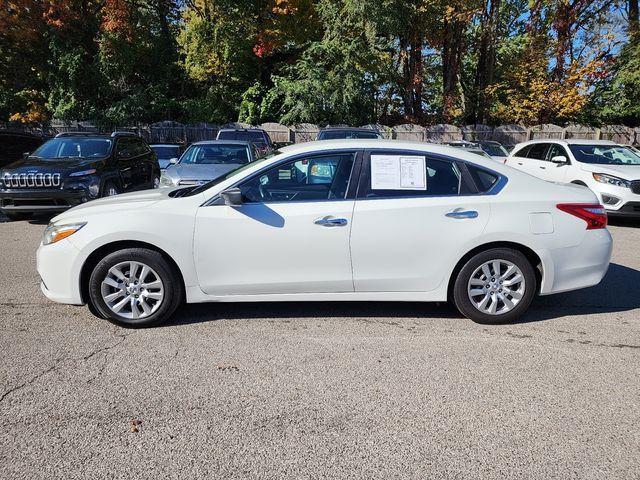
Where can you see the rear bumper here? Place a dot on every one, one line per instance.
(17, 201)
(579, 266)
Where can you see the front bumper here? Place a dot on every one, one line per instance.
(629, 209)
(59, 269)
(39, 200)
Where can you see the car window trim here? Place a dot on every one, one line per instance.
(494, 190)
(357, 152)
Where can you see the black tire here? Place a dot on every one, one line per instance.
(460, 289)
(172, 285)
(13, 216)
(109, 189)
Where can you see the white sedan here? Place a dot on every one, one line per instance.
(356, 220)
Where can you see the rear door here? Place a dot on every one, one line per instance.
(127, 164)
(290, 235)
(413, 214)
(531, 159)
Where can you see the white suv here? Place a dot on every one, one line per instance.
(610, 170)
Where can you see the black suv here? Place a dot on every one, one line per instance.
(73, 168)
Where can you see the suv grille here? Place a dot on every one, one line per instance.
(635, 187)
(32, 180)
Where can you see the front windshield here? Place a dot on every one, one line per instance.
(70, 147)
(166, 152)
(228, 175)
(215, 154)
(495, 150)
(605, 154)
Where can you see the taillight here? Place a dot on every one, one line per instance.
(594, 214)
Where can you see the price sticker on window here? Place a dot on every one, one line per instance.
(398, 172)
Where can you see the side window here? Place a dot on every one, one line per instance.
(409, 175)
(538, 151)
(483, 179)
(556, 151)
(124, 148)
(314, 178)
(522, 153)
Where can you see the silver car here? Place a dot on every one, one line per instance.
(206, 161)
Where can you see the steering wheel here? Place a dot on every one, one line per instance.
(264, 193)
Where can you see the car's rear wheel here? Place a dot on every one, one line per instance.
(135, 287)
(495, 286)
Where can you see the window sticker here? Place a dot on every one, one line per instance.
(398, 172)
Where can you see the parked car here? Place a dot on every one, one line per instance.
(610, 170)
(470, 147)
(166, 152)
(15, 145)
(366, 220)
(257, 136)
(206, 161)
(337, 133)
(73, 168)
(493, 150)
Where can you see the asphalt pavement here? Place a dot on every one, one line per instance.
(347, 390)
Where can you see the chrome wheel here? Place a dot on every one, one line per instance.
(132, 290)
(111, 191)
(496, 287)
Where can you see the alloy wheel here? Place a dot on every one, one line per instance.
(132, 290)
(496, 287)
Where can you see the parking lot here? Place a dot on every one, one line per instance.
(321, 390)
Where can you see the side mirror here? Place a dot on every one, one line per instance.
(232, 197)
(173, 160)
(559, 159)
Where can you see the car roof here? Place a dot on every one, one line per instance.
(240, 130)
(381, 144)
(223, 142)
(349, 129)
(569, 141)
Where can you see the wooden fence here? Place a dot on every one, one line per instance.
(172, 132)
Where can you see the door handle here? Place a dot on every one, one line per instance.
(462, 214)
(543, 168)
(331, 222)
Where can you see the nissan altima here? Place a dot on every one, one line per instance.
(354, 220)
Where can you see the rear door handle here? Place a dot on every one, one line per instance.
(328, 221)
(462, 214)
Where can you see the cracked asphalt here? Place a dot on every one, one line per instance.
(355, 390)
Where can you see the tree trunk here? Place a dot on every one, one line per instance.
(452, 49)
(486, 59)
(634, 21)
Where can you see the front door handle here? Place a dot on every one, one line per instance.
(328, 221)
(461, 214)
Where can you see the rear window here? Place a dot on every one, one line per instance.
(342, 134)
(247, 136)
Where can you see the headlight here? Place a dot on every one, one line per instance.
(166, 181)
(611, 180)
(55, 233)
(83, 173)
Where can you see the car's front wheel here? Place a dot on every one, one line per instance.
(134, 287)
(495, 286)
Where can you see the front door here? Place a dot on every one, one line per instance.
(290, 235)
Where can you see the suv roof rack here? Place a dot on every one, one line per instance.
(123, 134)
(76, 134)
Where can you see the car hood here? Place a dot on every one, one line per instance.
(627, 172)
(36, 165)
(126, 201)
(199, 172)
